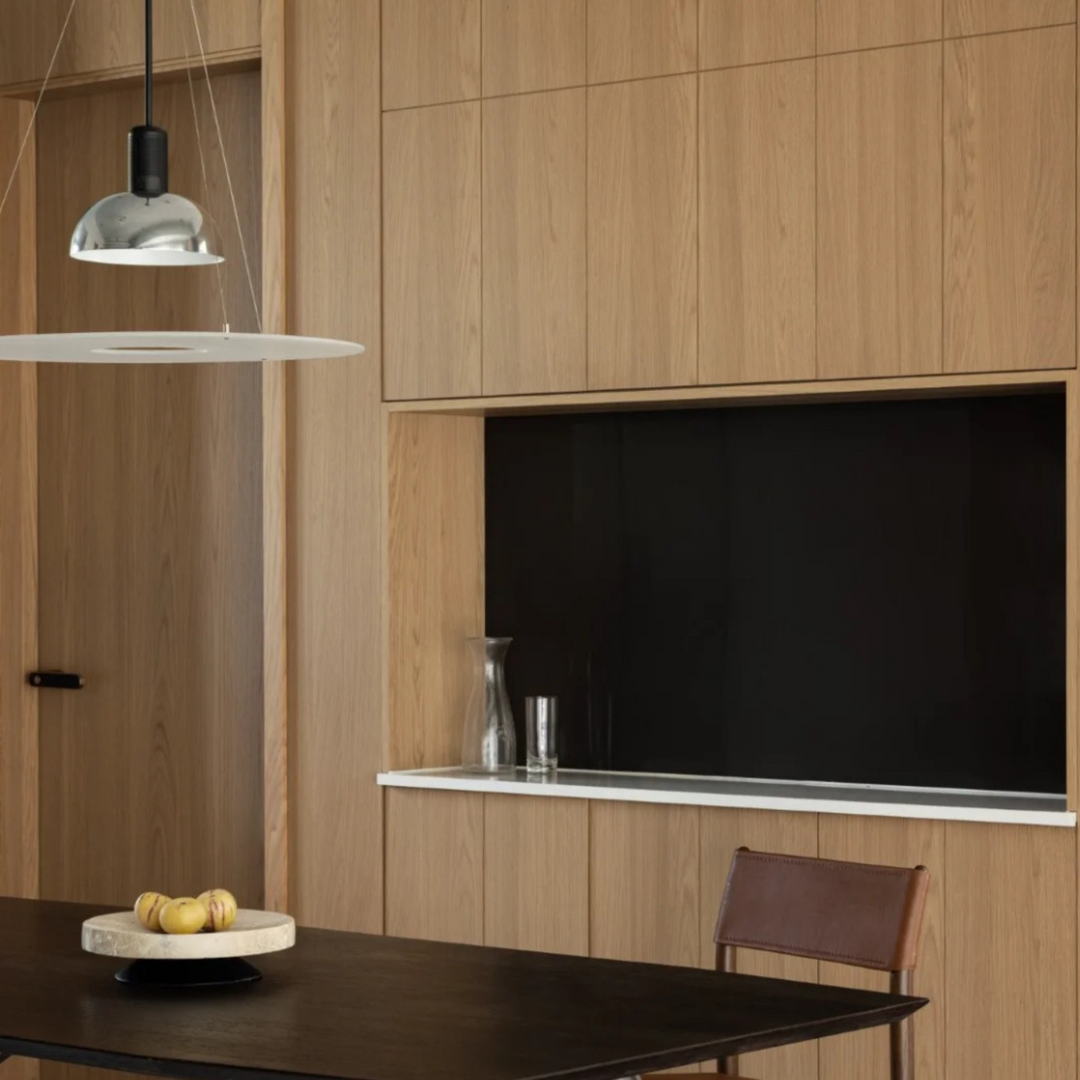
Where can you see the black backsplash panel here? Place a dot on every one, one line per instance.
(863, 592)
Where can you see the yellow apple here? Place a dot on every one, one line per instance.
(220, 907)
(148, 909)
(183, 915)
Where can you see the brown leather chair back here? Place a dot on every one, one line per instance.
(847, 913)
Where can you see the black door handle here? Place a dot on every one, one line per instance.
(55, 680)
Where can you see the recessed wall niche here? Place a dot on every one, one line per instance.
(864, 592)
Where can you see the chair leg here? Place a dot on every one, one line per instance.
(901, 1034)
(725, 961)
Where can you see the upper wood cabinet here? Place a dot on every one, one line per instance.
(534, 243)
(1010, 201)
(430, 52)
(643, 233)
(533, 45)
(637, 39)
(757, 279)
(735, 32)
(844, 25)
(431, 252)
(879, 213)
(966, 17)
(108, 34)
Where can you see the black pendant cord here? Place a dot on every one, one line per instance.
(149, 54)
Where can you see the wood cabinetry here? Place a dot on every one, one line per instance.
(892, 842)
(534, 243)
(533, 45)
(643, 233)
(757, 263)
(639, 39)
(879, 213)
(735, 32)
(430, 52)
(536, 874)
(967, 17)
(1010, 948)
(435, 865)
(722, 831)
(844, 25)
(431, 252)
(1010, 201)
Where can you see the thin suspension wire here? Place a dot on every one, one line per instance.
(148, 59)
(228, 174)
(205, 178)
(37, 106)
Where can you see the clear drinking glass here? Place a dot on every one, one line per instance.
(488, 742)
(541, 754)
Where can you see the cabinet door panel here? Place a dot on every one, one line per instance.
(758, 298)
(533, 45)
(639, 39)
(1010, 201)
(643, 234)
(844, 25)
(737, 32)
(967, 17)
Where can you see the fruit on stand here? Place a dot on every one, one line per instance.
(148, 909)
(220, 907)
(184, 915)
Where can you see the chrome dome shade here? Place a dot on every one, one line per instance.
(133, 230)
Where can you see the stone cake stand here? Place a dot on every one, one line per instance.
(193, 960)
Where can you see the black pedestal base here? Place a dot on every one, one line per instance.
(231, 971)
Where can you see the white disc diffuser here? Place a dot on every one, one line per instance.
(170, 348)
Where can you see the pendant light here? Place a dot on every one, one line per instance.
(145, 225)
(148, 226)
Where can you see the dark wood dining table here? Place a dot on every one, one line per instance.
(362, 1007)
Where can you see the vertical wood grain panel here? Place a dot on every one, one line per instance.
(533, 45)
(879, 213)
(645, 887)
(534, 243)
(643, 234)
(431, 252)
(1010, 201)
(536, 874)
(844, 25)
(274, 482)
(1010, 929)
(336, 466)
(436, 582)
(435, 865)
(758, 294)
(105, 38)
(638, 39)
(893, 842)
(430, 52)
(722, 831)
(756, 31)
(967, 17)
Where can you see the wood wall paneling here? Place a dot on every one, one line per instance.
(432, 252)
(643, 233)
(757, 264)
(1011, 944)
(430, 52)
(644, 880)
(336, 466)
(534, 243)
(435, 865)
(968, 17)
(894, 842)
(735, 32)
(533, 45)
(879, 213)
(536, 874)
(638, 39)
(1010, 201)
(722, 831)
(104, 39)
(844, 25)
(436, 582)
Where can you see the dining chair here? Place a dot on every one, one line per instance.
(842, 912)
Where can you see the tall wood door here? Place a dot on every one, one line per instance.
(150, 538)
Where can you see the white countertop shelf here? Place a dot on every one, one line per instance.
(1019, 808)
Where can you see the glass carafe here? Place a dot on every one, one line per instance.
(488, 742)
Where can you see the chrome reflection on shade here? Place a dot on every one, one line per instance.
(136, 230)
